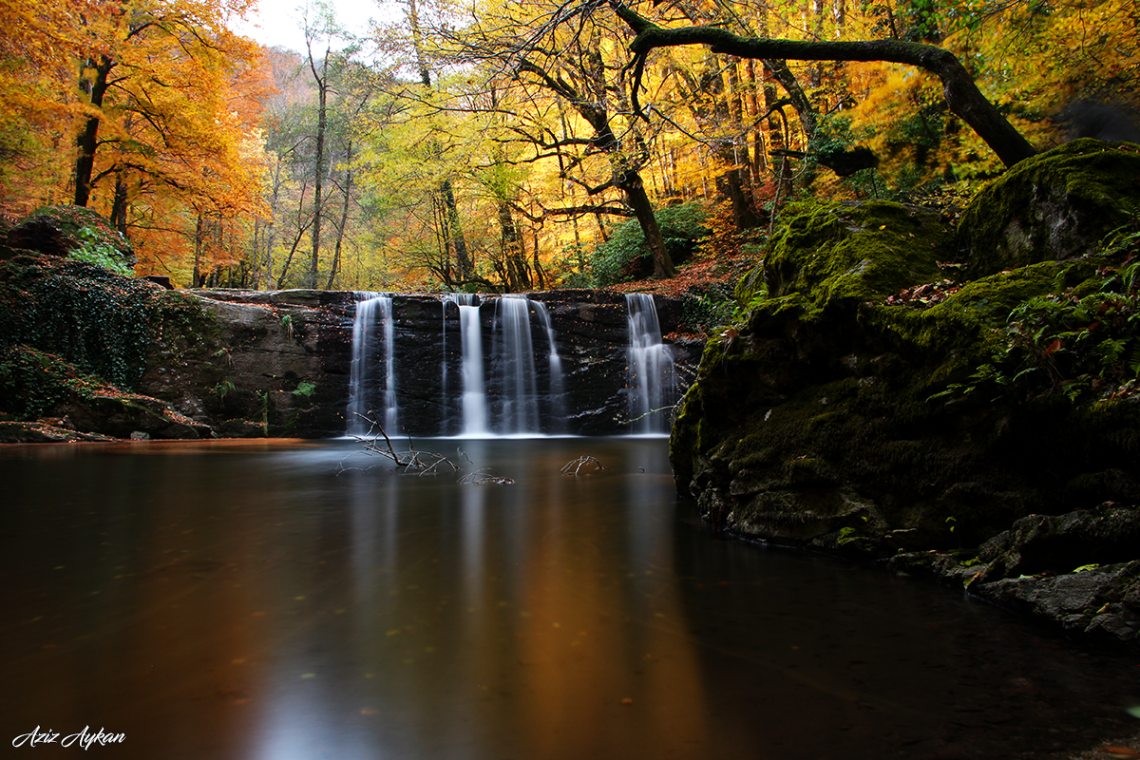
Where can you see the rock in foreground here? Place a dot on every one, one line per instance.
(921, 419)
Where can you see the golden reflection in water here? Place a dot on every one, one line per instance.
(485, 621)
(258, 606)
(575, 636)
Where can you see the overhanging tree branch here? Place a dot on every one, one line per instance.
(962, 94)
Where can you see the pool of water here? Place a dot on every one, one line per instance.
(280, 601)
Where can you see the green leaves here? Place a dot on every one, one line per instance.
(1075, 343)
(681, 226)
(85, 314)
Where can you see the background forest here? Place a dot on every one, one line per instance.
(507, 146)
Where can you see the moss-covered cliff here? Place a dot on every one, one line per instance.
(877, 402)
(85, 352)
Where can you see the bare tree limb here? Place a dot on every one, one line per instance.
(961, 92)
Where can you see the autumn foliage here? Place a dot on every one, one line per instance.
(496, 147)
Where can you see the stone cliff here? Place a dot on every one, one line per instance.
(87, 353)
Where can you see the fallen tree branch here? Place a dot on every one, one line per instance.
(575, 468)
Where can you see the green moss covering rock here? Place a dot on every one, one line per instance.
(76, 232)
(1053, 206)
(848, 417)
(86, 314)
(116, 356)
(852, 252)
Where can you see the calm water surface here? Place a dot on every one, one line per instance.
(262, 602)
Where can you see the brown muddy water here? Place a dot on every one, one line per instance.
(262, 602)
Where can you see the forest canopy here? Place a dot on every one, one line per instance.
(531, 144)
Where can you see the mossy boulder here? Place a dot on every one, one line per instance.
(852, 252)
(74, 231)
(1051, 207)
(40, 387)
(844, 416)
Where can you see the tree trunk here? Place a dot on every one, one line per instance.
(322, 81)
(779, 71)
(343, 218)
(777, 122)
(514, 257)
(88, 140)
(638, 200)
(455, 231)
(271, 232)
(196, 277)
(120, 204)
(961, 92)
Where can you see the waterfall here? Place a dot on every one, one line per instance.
(474, 394)
(651, 382)
(363, 372)
(507, 382)
(514, 363)
(443, 302)
(557, 412)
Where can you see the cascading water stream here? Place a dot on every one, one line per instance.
(514, 392)
(557, 413)
(363, 371)
(474, 390)
(514, 363)
(651, 380)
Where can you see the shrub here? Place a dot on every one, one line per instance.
(617, 259)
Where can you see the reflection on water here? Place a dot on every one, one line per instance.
(251, 602)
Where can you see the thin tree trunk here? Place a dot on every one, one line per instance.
(343, 218)
(120, 204)
(318, 183)
(514, 258)
(463, 264)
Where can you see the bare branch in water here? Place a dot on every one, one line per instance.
(575, 468)
(411, 461)
(420, 462)
(485, 477)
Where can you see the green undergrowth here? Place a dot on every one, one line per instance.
(616, 260)
(69, 318)
(1082, 342)
(33, 383)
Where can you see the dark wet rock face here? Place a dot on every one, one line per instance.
(842, 417)
(118, 356)
(259, 364)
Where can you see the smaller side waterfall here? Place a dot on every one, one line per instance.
(557, 412)
(651, 379)
(363, 384)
